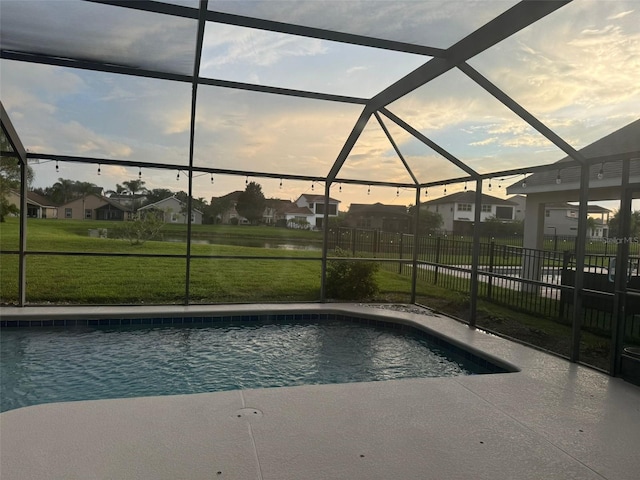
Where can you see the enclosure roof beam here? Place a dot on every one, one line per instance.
(395, 147)
(430, 143)
(503, 26)
(12, 136)
(516, 108)
(362, 121)
(275, 26)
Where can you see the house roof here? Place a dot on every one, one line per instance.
(229, 196)
(113, 203)
(377, 208)
(164, 200)
(469, 197)
(568, 206)
(317, 198)
(287, 207)
(623, 143)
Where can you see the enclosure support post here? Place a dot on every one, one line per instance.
(325, 243)
(580, 252)
(22, 269)
(618, 314)
(194, 97)
(416, 242)
(475, 255)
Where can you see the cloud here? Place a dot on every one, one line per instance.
(620, 15)
(227, 44)
(486, 141)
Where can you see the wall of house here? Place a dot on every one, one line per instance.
(562, 220)
(75, 210)
(446, 212)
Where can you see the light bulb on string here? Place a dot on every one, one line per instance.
(445, 189)
(280, 184)
(558, 179)
(98, 169)
(312, 186)
(398, 192)
(369, 190)
(139, 173)
(465, 186)
(426, 192)
(57, 167)
(212, 179)
(524, 182)
(246, 182)
(178, 176)
(489, 184)
(340, 188)
(601, 172)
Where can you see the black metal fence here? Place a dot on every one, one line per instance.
(538, 282)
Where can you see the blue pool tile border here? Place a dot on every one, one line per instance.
(451, 348)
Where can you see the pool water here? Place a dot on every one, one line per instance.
(54, 365)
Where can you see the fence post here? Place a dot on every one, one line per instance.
(353, 241)
(400, 253)
(566, 257)
(492, 247)
(435, 277)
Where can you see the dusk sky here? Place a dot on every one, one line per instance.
(577, 70)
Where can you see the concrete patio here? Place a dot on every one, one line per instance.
(552, 419)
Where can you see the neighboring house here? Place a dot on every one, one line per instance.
(89, 206)
(229, 201)
(294, 216)
(37, 205)
(388, 218)
(112, 210)
(172, 211)
(458, 210)
(315, 203)
(562, 219)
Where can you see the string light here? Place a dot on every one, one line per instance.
(139, 173)
(178, 176)
(369, 190)
(280, 184)
(57, 167)
(246, 182)
(558, 179)
(465, 186)
(445, 189)
(524, 181)
(601, 172)
(425, 192)
(98, 169)
(212, 179)
(312, 186)
(340, 188)
(489, 184)
(397, 191)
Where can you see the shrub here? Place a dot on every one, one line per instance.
(140, 229)
(351, 279)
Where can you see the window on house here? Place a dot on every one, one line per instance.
(547, 213)
(464, 207)
(193, 218)
(68, 213)
(87, 213)
(504, 213)
(174, 217)
(572, 213)
(486, 208)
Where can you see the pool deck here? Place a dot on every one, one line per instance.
(551, 420)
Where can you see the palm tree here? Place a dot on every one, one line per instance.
(62, 191)
(134, 186)
(84, 189)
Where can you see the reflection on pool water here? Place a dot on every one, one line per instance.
(45, 365)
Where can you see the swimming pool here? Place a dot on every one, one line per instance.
(115, 358)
